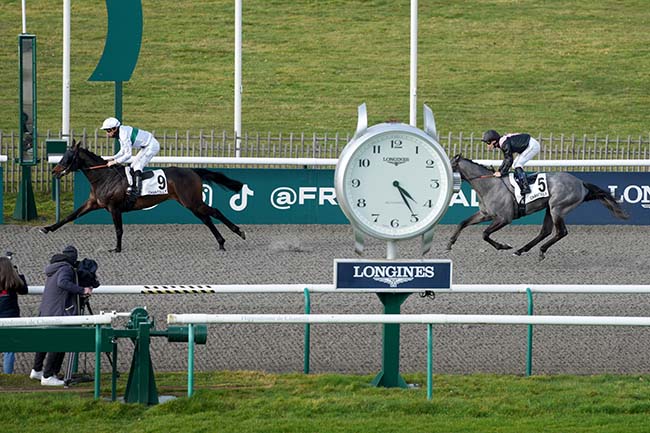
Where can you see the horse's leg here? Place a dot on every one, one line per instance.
(497, 224)
(560, 232)
(478, 217)
(88, 206)
(204, 209)
(208, 222)
(547, 229)
(119, 229)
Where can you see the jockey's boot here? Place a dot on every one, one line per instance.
(133, 191)
(522, 180)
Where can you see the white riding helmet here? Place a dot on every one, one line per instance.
(110, 123)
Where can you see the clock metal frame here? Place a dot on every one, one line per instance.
(362, 136)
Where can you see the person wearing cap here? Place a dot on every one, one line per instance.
(522, 144)
(131, 138)
(59, 299)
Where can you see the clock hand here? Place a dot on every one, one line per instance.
(404, 194)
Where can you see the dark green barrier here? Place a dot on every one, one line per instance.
(270, 196)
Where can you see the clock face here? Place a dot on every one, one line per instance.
(394, 182)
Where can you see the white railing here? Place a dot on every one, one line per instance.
(428, 319)
(333, 161)
(422, 319)
(97, 319)
(330, 288)
(228, 160)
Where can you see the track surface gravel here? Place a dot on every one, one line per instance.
(304, 254)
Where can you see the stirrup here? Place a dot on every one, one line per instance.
(521, 206)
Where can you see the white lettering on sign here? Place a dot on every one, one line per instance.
(284, 197)
(461, 199)
(632, 194)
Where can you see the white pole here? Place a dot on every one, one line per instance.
(65, 123)
(24, 17)
(238, 84)
(414, 63)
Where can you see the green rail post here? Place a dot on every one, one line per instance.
(307, 332)
(98, 358)
(114, 372)
(190, 360)
(429, 361)
(389, 376)
(529, 352)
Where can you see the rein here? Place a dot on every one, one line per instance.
(94, 167)
(485, 176)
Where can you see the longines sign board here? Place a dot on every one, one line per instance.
(307, 196)
(392, 275)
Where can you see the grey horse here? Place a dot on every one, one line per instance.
(498, 203)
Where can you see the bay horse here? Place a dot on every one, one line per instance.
(108, 191)
(497, 203)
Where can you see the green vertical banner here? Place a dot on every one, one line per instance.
(123, 40)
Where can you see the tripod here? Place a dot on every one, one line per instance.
(82, 303)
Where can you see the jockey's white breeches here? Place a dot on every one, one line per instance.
(528, 154)
(145, 154)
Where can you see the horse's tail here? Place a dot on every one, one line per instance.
(597, 193)
(219, 178)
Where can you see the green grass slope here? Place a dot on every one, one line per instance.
(560, 66)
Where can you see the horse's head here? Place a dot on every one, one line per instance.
(468, 169)
(455, 160)
(69, 161)
(76, 158)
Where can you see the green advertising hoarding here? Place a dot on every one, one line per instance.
(269, 196)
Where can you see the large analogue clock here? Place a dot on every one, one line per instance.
(394, 181)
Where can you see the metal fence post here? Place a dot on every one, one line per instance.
(529, 351)
(307, 332)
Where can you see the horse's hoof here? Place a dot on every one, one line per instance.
(44, 230)
(242, 234)
(115, 250)
(542, 256)
(505, 247)
(517, 253)
(221, 247)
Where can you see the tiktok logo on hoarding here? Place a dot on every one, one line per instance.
(238, 202)
(633, 194)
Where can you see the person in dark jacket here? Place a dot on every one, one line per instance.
(12, 284)
(522, 144)
(59, 299)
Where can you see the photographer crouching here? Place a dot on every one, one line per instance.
(60, 297)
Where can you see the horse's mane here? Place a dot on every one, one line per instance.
(96, 159)
(460, 156)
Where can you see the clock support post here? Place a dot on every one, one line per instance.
(389, 376)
